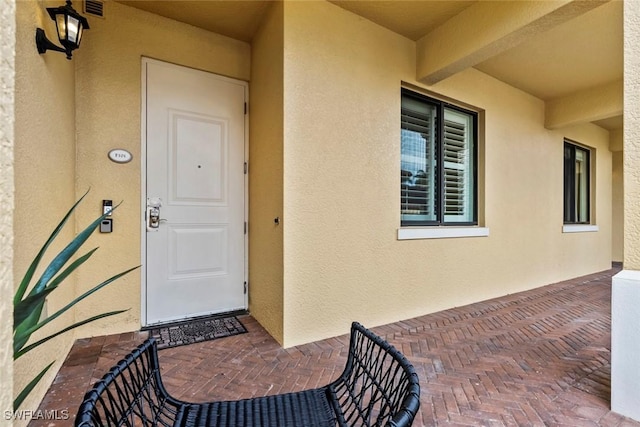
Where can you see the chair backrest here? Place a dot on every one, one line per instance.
(379, 386)
(131, 393)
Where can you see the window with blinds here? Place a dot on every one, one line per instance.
(577, 193)
(437, 170)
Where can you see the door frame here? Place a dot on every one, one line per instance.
(143, 180)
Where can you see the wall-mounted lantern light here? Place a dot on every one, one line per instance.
(70, 25)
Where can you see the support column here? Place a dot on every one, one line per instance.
(7, 114)
(625, 304)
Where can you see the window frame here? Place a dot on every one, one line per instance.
(439, 202)
(570, 218)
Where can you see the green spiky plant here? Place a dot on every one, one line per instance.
(27, 310)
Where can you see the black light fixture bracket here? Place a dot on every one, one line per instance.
(44, 44)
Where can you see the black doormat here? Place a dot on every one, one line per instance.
(196, 331)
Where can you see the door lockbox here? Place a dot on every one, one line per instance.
(106, 226)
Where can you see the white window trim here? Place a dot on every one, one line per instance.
(413, 233)
(580, 228)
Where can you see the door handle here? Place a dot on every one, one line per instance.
(153, 213)
(154, 217)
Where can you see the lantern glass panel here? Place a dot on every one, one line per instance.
(61, 24)
(73, 28)
(80, 30)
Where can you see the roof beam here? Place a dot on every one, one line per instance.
(596, 103)
(486, 29)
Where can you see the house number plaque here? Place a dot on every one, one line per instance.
(119, 155)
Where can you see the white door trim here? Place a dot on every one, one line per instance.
(143, 183)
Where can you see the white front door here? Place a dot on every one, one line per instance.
(195, 183)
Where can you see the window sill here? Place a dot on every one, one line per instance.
(441, 232)
(580, 228)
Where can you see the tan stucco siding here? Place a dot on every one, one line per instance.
(342, 85)
(617, 207)
(342, 259)
(266, 173)
(7, 101)
(109, 116)
(631, 136)
(44, 175)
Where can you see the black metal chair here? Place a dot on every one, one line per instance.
(379, 387)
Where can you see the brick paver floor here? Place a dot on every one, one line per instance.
(535, 358)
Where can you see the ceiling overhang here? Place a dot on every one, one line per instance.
(561, 51)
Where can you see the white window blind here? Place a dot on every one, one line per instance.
(582, 186)
(458, 166)
(418, 184)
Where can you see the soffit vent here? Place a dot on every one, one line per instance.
(94, 8)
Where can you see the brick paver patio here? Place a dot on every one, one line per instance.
(535, 358)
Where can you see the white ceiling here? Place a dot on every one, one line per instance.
(579, 54)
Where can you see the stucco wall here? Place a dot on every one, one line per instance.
(617, 207)
(266, 173)
(631, 138)
(7, 82)
(342, 259)
(44, 174)
(108, 116)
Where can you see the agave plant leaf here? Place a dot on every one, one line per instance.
(22, 336)
(71, 268)
(24, 284)
(28, 310)
(24, 308)
(52, 269)
(27, 389)
(69, 251)
(68, 328)
(27, 306)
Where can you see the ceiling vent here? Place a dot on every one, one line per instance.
(94, 8)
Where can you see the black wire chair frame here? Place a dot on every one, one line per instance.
(378, 387)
